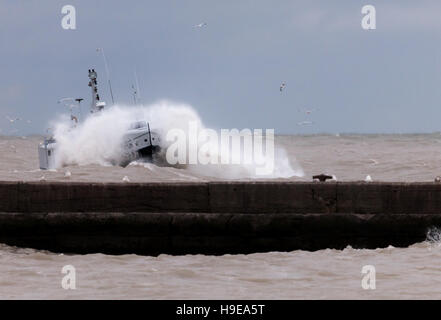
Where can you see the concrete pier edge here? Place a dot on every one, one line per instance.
(215, 217)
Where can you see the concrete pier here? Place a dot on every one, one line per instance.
(215, 217)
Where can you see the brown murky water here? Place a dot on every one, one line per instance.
(403, 273)
(409, 273)
(348, 157)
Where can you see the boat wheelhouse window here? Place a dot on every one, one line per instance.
(138, 125)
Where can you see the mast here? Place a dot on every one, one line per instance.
(96, 105)
(135, 93)
(107, 72)
(138, 91)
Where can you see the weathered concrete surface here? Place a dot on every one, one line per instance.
(215, 217)
(222, 197)
(83, 197)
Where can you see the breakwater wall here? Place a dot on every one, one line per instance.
(215, 217)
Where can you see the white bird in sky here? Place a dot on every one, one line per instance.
(282, 86)
(65, 99)
(12, 120)
(200, 25)
(66, 103)
(305, 123)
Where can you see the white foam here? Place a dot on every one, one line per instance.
(98, 140)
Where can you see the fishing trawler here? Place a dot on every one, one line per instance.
(139, 143)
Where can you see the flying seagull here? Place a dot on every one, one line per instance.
(282, 86)
(12, 120)
(305, 123)
(200, 25)
(65, 99)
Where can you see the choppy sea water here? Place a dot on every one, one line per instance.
(348, 157)
(402, 273)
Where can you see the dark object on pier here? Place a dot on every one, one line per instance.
(321, 177)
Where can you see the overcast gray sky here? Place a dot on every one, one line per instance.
(383, 80)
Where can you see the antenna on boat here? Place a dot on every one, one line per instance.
(108, 73)
(137, 86)
(135, 92)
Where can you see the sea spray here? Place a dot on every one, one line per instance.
(99, 140)
(433, 235)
